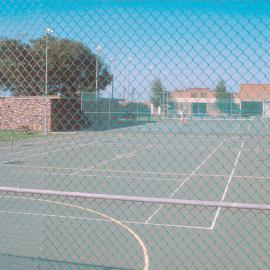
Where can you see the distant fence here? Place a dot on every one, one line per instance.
(67, 114)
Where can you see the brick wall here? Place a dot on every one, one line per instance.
(195, 93)
(255, 92)
(25, 112)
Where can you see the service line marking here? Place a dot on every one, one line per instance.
(126, 155)
(227, 186)
(185, 181)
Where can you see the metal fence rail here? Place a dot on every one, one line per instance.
(137, 199)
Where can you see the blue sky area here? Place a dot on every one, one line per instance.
(187, 43)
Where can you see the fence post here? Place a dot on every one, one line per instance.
(11, 140)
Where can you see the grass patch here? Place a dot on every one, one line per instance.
(6, 135)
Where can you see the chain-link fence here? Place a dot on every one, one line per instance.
(134, 134)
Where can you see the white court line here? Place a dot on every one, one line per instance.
(15, 145)
(38, 167)
(49, 144)
(227, 186)
(45, 148)
(112, 220)
(257, 149)
(103, 220)
(254, 177)
(185, 181)
(138, 172)
(267, 127)
(74, 145)
(229, 180)
(42, 154)
(121, 178)
(176, 146)
(189, 177)
(111, 171)
(249, 126)
(54, 146)
(169, 146)
(131, 154)
(48, 138)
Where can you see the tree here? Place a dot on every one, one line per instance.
(225, 100)
(71, 67)
(157, 93)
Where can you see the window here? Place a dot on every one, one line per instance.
(194, 95)
(203, 95)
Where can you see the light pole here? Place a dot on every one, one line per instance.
(112, 65)
(48, 33)
(98, 49)
(150, 68)
(163, 95)
(81, 89)
(129, 63)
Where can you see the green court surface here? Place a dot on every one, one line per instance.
(209, 160)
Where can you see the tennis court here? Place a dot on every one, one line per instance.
(207, 160)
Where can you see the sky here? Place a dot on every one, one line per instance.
(184, 43)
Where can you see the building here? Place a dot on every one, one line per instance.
(194, 101)
(255, 99)
(203, 101)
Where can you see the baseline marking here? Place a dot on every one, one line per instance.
(166, 225)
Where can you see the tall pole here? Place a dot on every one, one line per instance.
(48, 32)
(129, 63)
(163, 96)
(113, 60)
(98, 49)
(150, 68)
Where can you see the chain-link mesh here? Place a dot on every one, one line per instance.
(134, 134)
